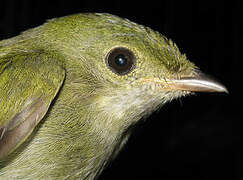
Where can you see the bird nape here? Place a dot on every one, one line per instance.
(71, 88)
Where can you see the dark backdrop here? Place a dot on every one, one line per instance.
(197, 137)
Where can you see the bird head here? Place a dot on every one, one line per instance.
(125, 70)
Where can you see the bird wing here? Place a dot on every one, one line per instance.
(28, 84)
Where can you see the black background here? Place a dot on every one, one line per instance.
(197, 137)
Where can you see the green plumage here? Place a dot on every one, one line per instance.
(56, 86)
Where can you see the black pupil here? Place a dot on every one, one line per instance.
(121, 60)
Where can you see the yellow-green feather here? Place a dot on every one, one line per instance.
(88, 122)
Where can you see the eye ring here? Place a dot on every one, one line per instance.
(121, 60)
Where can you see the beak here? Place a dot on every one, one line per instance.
(198, 83)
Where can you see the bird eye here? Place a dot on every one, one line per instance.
(121, 60)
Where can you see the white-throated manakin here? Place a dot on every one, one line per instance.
(71, 88)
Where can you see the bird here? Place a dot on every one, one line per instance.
(72, 88)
